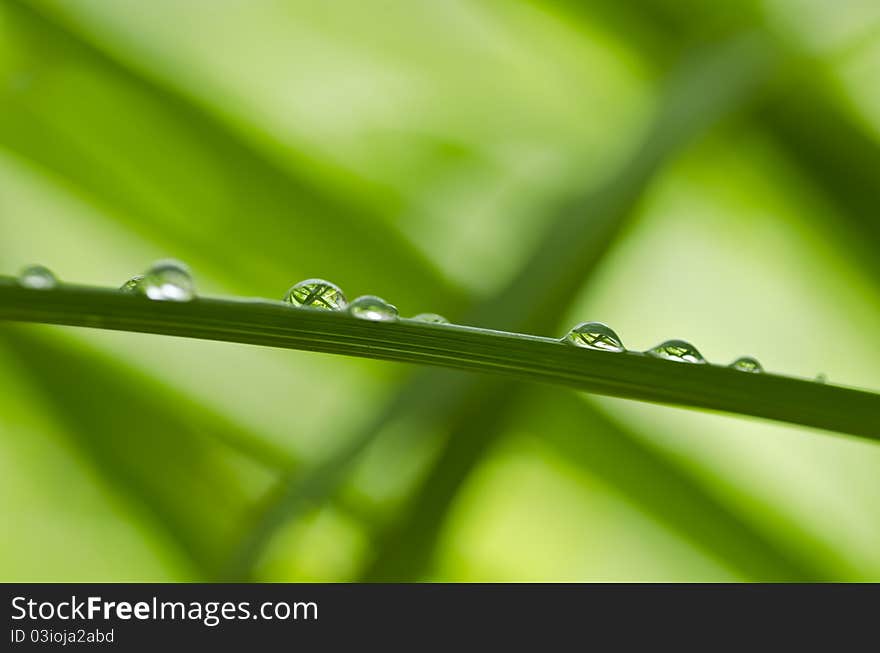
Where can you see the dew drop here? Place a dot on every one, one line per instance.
(133, 284)
(594, 335)
(37, 277)
(370, 307)
(316, 293)
(168, 280)
(747, 364)
(431, 318)
(821, 378)
(677, 350)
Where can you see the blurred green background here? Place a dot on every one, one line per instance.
(427, 152)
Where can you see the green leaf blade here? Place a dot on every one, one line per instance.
(526, 357)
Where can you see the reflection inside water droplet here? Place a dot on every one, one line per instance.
(677, 350)
(133, 284)
(594, 335)
(316, 293)
(747, 364)
(37, 277)
(168, 280)
(431, 318)
(370, 307)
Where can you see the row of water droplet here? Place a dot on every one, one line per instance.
(325, 295)
(595, 335)
(170, 280)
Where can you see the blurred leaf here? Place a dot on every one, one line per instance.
(179, 176)
(835, 151)
(405, 549)
(301, 490)
(169, 167)
(173, 459)
(707, 86)
(649, 479)
(663, 488)
(837, 155)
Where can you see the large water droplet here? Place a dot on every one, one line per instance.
(37, 277)
(594, 335)
(431, 318)
(677, 350)
(168, 280)
(370, 307)
(317, 293)
(133, 284)
(747, 364)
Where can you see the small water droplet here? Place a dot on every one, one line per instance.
(594, 335)
(133, 284)
(168, 280)
(747, 364)
(370, 307)
(316, 293)
(37, 277)
(821, 378)
(677, 350)
(431, 318)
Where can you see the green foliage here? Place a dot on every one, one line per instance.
(693, 170)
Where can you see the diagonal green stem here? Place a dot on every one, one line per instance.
(531, 358)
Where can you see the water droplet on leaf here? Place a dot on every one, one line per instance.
(370, 307)
(677, 350)
(317, 293)
(821, 378)
(133, 284)
(594, 335)
(168, 280)
(431, 318)
(747, 364)
(37, 277)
